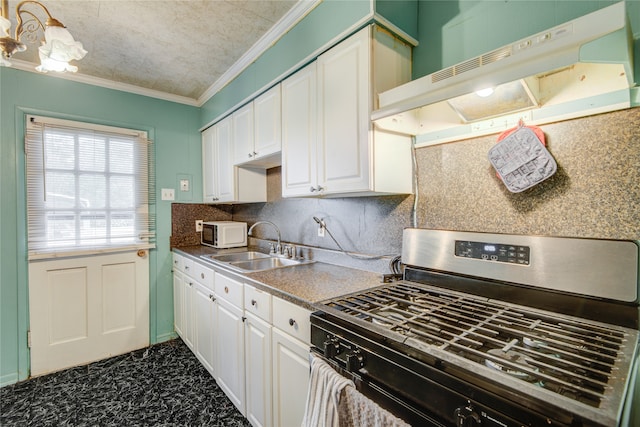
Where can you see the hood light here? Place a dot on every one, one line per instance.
(483, 93)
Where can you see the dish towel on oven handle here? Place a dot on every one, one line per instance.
(325, 387)
(333, 401)
(357, 410)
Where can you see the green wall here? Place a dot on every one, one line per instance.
(451, 31)
(174, 129)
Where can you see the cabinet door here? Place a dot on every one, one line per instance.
(290, 379)
(204, 308)
(344, 93)
(230, 352)
(257, 347)
(178, 303)
(209, 170)
(243, 134)
(267, 123)
(224, 156)
(299, 133)
(188, 317)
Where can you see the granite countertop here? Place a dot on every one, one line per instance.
(306, 285)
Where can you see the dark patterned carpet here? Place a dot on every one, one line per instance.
(163, 385)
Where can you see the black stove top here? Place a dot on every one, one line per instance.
(575, 359)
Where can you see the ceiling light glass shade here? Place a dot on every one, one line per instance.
(5, 26)
(8, 45)
(59, 48)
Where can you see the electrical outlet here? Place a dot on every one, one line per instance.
(198, 225)
(320, 231)
(168, 194)
(184, 185)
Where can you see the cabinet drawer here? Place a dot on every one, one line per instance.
(178, 262)
(229, 289)
(187, 266)
(203, 275)
(292, 319)
(257, 302)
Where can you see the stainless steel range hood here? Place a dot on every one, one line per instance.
(579, 68)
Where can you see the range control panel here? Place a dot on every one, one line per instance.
(498, 252)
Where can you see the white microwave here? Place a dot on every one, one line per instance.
(224, 234)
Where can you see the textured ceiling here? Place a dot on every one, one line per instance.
(175, 47)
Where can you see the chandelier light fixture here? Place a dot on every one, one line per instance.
(58, 45)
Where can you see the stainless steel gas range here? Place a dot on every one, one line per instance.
(493, 330)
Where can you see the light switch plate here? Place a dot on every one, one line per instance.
(168, 194)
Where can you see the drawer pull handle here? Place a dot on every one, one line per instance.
(202, 275)
(292, 322)
(226, 289)
(186, 267)
(254, 302)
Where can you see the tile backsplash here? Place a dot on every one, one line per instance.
(184, 217)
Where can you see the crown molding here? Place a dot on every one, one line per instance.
(106, 83)
(297, 12)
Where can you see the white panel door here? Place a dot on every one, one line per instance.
(299, 133)
(178, 303)
(343, 111)
(290, 379)
(86, 309)
(204, 310)
(209, 165)
(257, 348)
(243, 134)
(226, 171)
(230, 352)
(267, 123)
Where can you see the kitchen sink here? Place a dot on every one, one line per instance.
(253, 261)
(239, 256)
(267, 263)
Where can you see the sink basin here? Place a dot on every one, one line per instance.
(267, 263)
(253, 261)
(239, 256)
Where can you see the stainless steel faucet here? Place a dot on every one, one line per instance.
(278, 248)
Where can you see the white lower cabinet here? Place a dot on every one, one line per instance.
(290, 379)
(229, 331)
(178, 302)
(205, 312)
(255, 345)
(290, 352)
(182, 288)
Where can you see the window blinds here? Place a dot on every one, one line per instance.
(90, 188)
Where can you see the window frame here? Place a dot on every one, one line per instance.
(38, 246)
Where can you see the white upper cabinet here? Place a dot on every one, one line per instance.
(222, 181)
(257, 131)
(243, 134)
(268, 128)
(299, 132)
(330, 147)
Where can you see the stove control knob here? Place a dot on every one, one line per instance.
(331, 347)
(355, 360)
(467, 417)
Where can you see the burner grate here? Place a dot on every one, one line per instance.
(568, 356)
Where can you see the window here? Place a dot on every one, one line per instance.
(88, 187)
